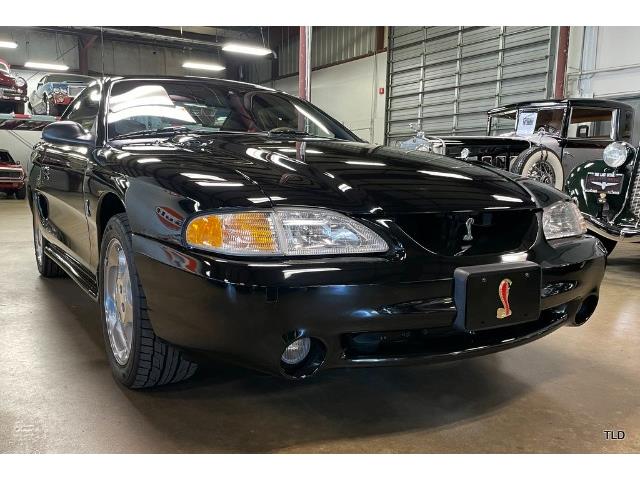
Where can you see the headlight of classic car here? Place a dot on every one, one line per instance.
(617, 153)
(20, 82)
(562, 219)
(282, 231)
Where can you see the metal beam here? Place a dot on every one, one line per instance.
(561, 62)
(304, 64)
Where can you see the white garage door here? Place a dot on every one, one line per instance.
(444, 79)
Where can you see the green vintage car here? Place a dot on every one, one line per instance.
(608, 194)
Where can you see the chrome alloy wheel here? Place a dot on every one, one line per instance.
(117, 301)
(542, 171)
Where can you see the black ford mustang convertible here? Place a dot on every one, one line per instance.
(215, 216)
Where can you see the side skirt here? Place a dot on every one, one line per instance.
(79, 274)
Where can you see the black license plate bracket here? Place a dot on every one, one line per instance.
(497, 295)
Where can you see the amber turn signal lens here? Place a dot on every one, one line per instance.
(239, 233)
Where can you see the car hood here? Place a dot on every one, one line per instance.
(7, 80)
(255, 171)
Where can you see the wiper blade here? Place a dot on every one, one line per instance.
(154, 131)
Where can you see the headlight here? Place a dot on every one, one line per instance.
(563, 219)
(20, 82)
(283, 231)
(617, 153)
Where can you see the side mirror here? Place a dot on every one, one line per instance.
(68, 133)
(617, 154)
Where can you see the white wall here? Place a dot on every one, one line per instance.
(19, 144)
(603, 62)
(349, 93)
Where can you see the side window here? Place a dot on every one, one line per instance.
(85, 109)
(588, 122)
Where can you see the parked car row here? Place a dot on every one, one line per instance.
(578, 145)
(51, 96)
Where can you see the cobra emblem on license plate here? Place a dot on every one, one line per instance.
(503, 294)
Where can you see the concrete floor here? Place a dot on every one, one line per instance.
(554, 395)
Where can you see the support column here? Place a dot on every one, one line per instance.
(561, 62)
(84, 44)
(304, 64)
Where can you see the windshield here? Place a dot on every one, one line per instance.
(4, 68)
(527, 121)
(6, 158)
(147, 106)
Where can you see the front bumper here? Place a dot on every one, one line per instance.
(250, 311)
(11, 184)
(618, 233)
(12, 96)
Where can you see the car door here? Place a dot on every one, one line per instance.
(62, 182)
(589, 131)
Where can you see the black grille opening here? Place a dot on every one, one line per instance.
(473, 233)
(440, 341)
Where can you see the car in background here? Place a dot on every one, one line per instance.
(545, 140)
(55, 92)
(207, 215)
(12, 177)
(13, 90)
(607, 191)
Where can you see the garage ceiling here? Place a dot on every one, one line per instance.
(444, 79)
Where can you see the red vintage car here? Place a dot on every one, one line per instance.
(13, 90)
(12, 177)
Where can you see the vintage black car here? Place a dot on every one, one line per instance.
(215, 216)
(608, 194)
(545, 139)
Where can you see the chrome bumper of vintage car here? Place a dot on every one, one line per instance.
(612, 231)
(12, 95)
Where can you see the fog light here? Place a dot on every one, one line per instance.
(297, 351)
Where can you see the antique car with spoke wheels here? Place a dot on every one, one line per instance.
(216, 216)
(545, 140)
(608, 194)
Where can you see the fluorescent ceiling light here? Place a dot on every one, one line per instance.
(46, 66)
(203, 66)
(8, 44)
(249, 50)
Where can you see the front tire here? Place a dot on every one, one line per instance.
(541, 164)
(138, 358)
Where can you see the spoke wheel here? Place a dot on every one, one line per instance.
(118, 302)
(543, 172)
